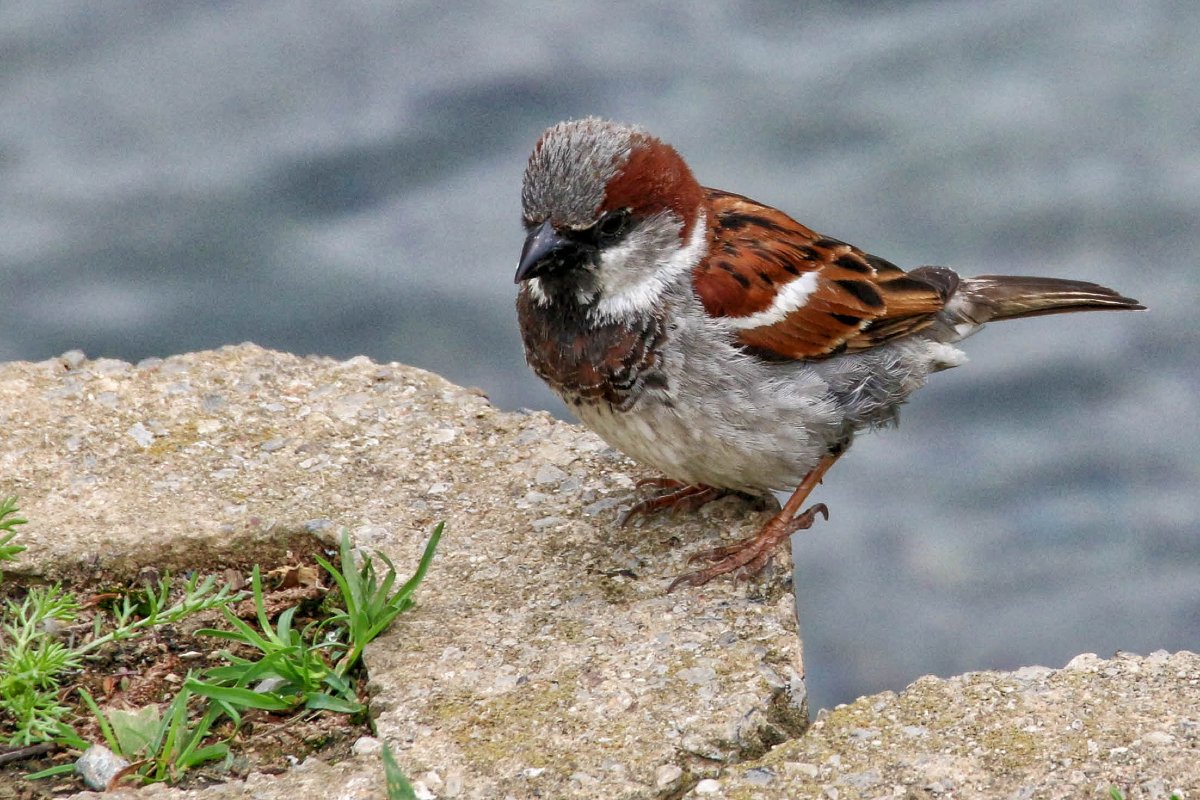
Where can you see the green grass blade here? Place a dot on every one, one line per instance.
(423, 566)
(204, 754)
(398, 787)
(61, 769)
(327, 702)
(240, 697)
(109, 737)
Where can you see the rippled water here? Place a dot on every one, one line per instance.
(343, 179)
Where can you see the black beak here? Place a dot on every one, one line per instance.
(543, 251)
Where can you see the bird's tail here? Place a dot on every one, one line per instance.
(970, 302)
(995, 297)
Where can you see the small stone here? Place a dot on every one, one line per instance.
(533, 772)
(759, 776)
(271, 445)
(666, 775)
(528, 437)
(708, 786)
(600, 506)
(444, 435)
(98, 765)
(140, 434)
(73, 359)
(1083, 661)
(366, 746)
(548, 473)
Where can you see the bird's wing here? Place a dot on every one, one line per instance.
(791, 293)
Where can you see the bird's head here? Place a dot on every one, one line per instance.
(612, 215)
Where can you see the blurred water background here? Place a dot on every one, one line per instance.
(343, 178)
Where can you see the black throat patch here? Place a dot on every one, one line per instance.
(585, 361)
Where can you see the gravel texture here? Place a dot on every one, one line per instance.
(1131, 722)
(543, 658)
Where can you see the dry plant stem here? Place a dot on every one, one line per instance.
(22, 753)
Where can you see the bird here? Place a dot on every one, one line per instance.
(722, 343)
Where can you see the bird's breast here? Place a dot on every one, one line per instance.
(585, 361)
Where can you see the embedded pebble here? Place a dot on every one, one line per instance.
(548, 473)
(366, 746)
(667, 774)
(443, 435)
(759, 777)
(141, 434)
(73, 359)
(600, 506)
(98, 765)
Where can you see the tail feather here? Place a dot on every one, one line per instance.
(994, 297)
(970, 302)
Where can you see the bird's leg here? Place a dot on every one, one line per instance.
(750, 555)
(673, 495)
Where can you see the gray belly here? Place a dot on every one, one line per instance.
(741, 423)
(750, 434)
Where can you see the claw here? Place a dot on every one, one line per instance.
(747, 557)
(659, 483)
(674, 497)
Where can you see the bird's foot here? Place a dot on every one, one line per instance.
(748, 556)
(672, 495)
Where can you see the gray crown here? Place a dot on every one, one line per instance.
(570, 168)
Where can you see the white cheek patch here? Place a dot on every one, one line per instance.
(535, 291)
(623, 299)
(792, 296)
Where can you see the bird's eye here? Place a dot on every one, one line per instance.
(613, 224)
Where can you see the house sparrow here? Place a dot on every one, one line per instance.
(718, 340)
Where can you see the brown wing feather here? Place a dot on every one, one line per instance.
(855, 300)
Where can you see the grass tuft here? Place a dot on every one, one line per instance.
(277, 668)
